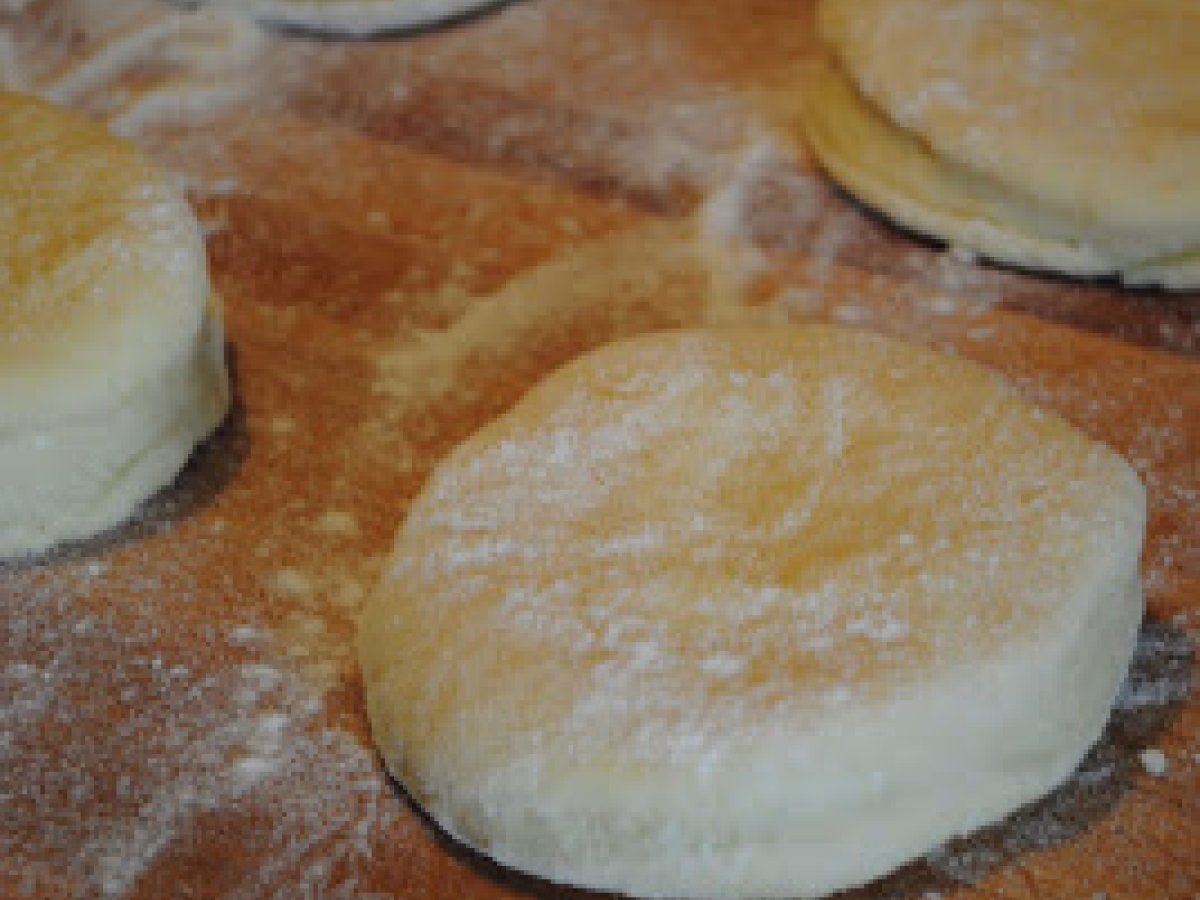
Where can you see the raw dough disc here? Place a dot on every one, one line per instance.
(111, 351)
(359, 17)
(711, 613)
(897, 174)
(1080, 115)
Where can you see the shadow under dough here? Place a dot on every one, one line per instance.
(1158, 680)
(213, 464)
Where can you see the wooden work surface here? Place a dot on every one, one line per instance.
(408, 233)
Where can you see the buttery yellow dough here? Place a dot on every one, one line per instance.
(711, 613)
(111, 351)
(1057, 134)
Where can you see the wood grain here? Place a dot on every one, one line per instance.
(408, 233)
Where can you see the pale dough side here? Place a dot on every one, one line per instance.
(896, 173)
(711, 613)
(111, 349)
(1088, 106)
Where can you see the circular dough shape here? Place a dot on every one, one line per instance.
(1082, 112)
(360, 17)
(897, 174)
(711, 613)
(111, 350)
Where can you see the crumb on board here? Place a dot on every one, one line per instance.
(1154, 761)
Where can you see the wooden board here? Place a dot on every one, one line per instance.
(408, 233)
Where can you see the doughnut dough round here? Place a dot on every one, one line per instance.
(752, 612)
(111, 352)
(360, 17)
(1058, 134)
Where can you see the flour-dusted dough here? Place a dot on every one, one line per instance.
(752, 612)
(111, 352)
(898, 175)
(1057, 134)
(358, 17)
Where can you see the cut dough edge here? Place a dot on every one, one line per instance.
(783, 857)
(75, 477)
(114, 368)
(1080, 105)
(632, 828)
(892, 171)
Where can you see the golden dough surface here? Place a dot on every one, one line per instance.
(1087, 105)
(408, 234)
(697, 557)
(898, 174)
(112, 357)
(103, 278)
(1051, 134)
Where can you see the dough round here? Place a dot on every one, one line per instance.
(361, 17)
(711, 613)
(1057, 134)
(111, 351)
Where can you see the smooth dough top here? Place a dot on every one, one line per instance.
(1090, 104)
(103, 281)
(705, 556)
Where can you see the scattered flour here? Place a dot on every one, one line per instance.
(1159, 680)
(337, 522)
(282, 425)
(202, 61)
(118, 739)
(126, 789)
(1154, 761)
